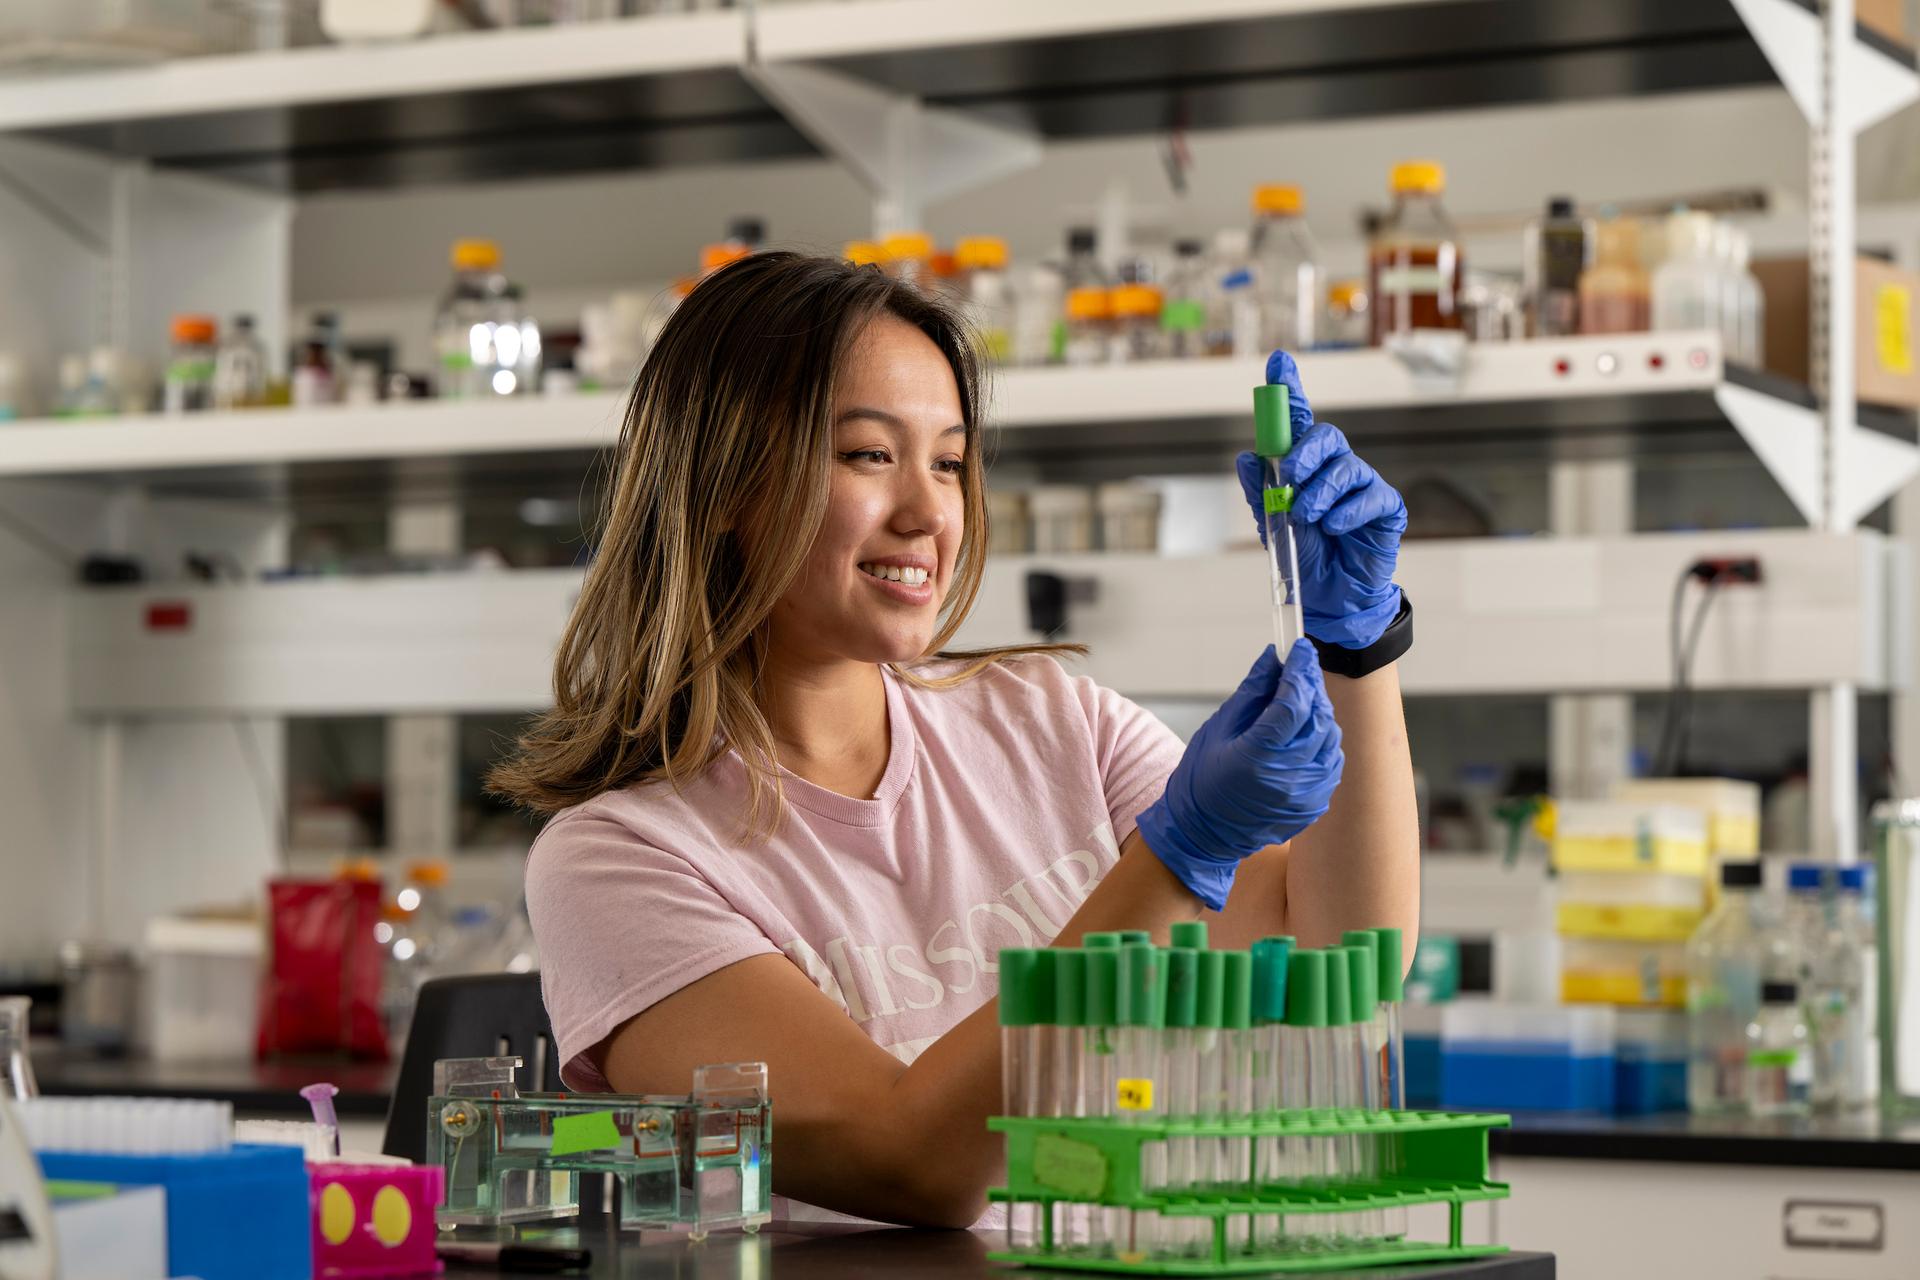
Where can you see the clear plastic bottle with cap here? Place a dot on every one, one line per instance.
(1725, 958)
(1614, 295)
(1743, 308)
(1559, 247)
(1347, 325)
(986, 293)
(1136, 323)
(1039, 308)
(1082, 266)
(240, 368)
(487, 343)
(1183, 313)
(1414, 263)
(189, 381)
(1690, 286)
(1779, 1054)
(1835, 981)
(909, 258)
(1854, 920)
(1090, 329)
(319, 366)
(1286, 268)
(1233, 298)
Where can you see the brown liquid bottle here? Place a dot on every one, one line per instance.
(1614, 293)
(1414, 263)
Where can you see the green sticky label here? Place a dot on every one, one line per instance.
(1077, 1170)
(1773, 1057)
(1279, 499)
(1183, 316)
(594, 1131)
(61, 1189)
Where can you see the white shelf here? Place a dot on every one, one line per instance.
(1172, 392)
(1547, 615)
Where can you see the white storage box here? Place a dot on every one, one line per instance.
(1732, 808)
(1610, 835)
(203, 988)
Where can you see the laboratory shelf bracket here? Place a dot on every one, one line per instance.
(907, 154)
(1880, 80)
(1785, 436)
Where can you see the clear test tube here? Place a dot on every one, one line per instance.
(1020, 1070)
(1391, 980)
(1235, 1167)
(1140, 1094)
(1071, 1233)
(1271, 1155)
(1106, 1227)
(1180, 1058)
(1343, 1084)
(1210, 1049)
(1363, 972)
(1273, 438)
(1305, 1063)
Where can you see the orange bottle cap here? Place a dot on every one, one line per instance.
(715, 256)
(475, 255)
(201, 329)
(976, 252)
(1089, 304)
(1278, 198)
(1418, 177)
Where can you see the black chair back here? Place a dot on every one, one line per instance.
(476, 1016)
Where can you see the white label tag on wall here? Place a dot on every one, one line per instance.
(1834, 1224)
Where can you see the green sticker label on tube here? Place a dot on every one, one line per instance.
(1279, 499)
(1075, 1169)
(593, 1131)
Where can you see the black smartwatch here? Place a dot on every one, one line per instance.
(1336, 660)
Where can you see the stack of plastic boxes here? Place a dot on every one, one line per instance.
(1635, 877)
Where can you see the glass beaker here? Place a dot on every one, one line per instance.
(16, 1081)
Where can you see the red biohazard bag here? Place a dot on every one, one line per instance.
(322, 988)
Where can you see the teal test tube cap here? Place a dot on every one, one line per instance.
(1270, 957)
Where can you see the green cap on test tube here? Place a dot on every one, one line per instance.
(1236, 991)
(1143, 986)
(1365, 938)
(1183, 986)
(1393, 977)
(1307, 989)
(1213, 990)
(1272, 424)
(1189, 933)
(1131, 936)
(1098, 941)
(1363, 978)
(1070, 988)
(1019, 987)
(1339, 989)
(1270, 979)
(1103, 986)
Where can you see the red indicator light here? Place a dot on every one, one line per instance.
(1697, 357)
(1656, 361)
(169, 616)
(1563, 366)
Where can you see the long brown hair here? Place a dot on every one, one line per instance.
(730, 424)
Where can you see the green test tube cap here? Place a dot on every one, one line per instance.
(1365, 939)
(1103, 986)
(1236, 991)
(1307, 989)
(1339, 987)
(1142, 996)
(1019, 987)
(1189, 933)
(1363, 980)
(1392, 969)
(1097, 941)
(1130, 936)
(1272, 424)
(1070, 988)
(1213, 990)
(1270, 957)
(1183, 986)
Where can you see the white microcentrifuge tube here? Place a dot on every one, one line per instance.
(1393, 1060)
(1020, 1070)
(1306, 1079)
(1273, 438)
(1140, 1093)
(1070, 1231)
(1272, 1158)
(1238, 1033)
(1106, 1228)
(1180, 1057)
(1364, 1002)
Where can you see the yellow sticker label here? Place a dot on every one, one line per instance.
(1134, 1095)
(1892, 330)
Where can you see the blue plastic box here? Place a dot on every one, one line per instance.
(1527, 1058)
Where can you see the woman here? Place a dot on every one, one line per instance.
(784, 833)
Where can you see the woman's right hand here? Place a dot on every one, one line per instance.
(1260, 771)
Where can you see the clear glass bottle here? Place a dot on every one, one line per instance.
(1233, 298)
(1558, 251)
(1414, 263)
(1614, 289)
(1854, 916)
(1083, 269)
(1136, 323)
(1779, 1054)
(1039, 305)
(1286, 267)
(240, 368)
(189, 382)
(1724, 959)
(487, 344)
(319, 368)
(1690, 285)
(1183, 314)
(1743, 307)
(1347, 324)
(986, 292)
(1089, 326)
(16, 1066)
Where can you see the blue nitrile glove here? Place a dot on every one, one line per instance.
(1260, 771)
(1346, 519)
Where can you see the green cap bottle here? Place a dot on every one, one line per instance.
(1189, 933)
(1339, 988)
(1307, 989)
(1129, 937)
(1236, 991)
(1019, 1003)
(1070, 988)
(1143, 986)
(1213, 990)
(1097, 941)
(1183, 986)
(1393, 975)
(1270, 979)
(1103, 986)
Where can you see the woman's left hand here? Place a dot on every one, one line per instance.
(1347, 521)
